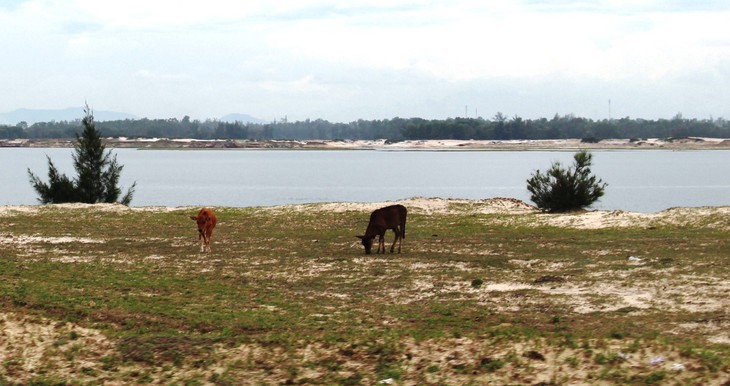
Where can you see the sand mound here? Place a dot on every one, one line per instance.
(714, 217)
(425, 205)
(710, 217)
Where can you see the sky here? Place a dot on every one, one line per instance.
(368, 59)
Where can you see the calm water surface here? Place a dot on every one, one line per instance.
(643, 181)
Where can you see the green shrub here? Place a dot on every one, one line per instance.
(563, 190)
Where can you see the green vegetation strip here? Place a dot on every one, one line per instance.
(287, 296)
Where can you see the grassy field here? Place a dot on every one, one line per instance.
(485, 292)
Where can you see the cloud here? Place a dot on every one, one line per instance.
(362, 59)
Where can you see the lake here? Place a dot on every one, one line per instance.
(641, 181)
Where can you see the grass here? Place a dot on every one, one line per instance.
(287, 296)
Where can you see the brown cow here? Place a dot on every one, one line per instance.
(206, 222)
(390, 217)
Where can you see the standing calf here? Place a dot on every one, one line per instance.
(390, 217)
(206, 222)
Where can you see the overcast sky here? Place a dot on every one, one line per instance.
(361, 59)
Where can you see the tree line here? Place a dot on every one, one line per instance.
(498, 127)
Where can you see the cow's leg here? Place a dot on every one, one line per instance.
(381, 243)
(397, 236)
(202, 243)
(206, 241)
(400, 242)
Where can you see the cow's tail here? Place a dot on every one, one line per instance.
(404, 216)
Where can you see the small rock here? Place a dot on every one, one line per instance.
(534, 355)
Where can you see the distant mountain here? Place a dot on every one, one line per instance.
(245, 118)
(32, 116)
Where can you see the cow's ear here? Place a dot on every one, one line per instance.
(193, 218)
(360, 237)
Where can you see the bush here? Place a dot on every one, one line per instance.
(561, 190)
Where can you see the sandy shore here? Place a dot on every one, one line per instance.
(691, 143)
(529, 215)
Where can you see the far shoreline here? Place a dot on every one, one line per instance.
(685, 143)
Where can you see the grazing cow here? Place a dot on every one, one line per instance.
(390, 217)
(206, 222)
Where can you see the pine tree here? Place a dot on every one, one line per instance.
(59, 188)
(561, 190)
(98, 173)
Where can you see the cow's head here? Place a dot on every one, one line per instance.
(367, 242)
(201, 220)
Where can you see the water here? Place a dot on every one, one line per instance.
(642, 181)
